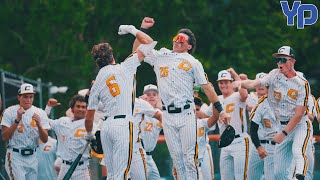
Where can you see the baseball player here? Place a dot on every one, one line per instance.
(318, 109)
(205, 157)
(288, 98)
(263, 118)
(46, 154)
(150, 130)
(114, 87)
(256, 163)
(22, 126)
(177, 71)
(71, 137)
(235, 157)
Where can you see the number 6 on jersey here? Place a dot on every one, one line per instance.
(113, 87)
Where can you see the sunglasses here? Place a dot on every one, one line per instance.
(179, 39)
(282, 60)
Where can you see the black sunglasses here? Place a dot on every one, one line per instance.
(282, 60)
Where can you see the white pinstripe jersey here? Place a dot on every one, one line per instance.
(203, 129)
(252, 101)
(26, 135)
(235, 107)
(176, 74)
(263, 115)
(70, 135)
(148, 126)
(312, 105)
(285, 94)
(115, 88)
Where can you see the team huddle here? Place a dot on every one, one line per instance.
(281, 111)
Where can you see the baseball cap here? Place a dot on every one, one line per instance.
(260, 75)
(83, 92)
(150, 87)
(285, 50)
(224, 75)
(26, 89)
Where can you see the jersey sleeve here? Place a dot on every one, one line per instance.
(257, 113)
(143, 107)
(199, 74)
(209, 110)
(44, 120)
(95, 91)
(267, 79)
(131, 63)
(7, 118)
(303, 94)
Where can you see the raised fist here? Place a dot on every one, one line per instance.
(147, 23)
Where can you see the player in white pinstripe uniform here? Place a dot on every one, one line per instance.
(256, 163)
(176, 73)
(114, 87)
(235, 157)
(288, 98)
(46, 154)
(22, 126)
(263, 118)
(205, 125)
(71, 136)
(150, 130)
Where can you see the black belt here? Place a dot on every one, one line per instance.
(172, 109)
(69, 163)
(267, 142)
(25, 152)
(116, 117)
(237, 136)
(284, 122)
(149, 153)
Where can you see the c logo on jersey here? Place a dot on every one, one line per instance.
(201, 132)
(185, 66)
(33, 123)
(230, 108)
(80, 133)
(277, 95)
(293, 93)
(267, 123)
(164, 71)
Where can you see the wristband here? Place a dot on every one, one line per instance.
(218, 106)
(285, 132)
(17, 122)
(143, 29)
(48, 109)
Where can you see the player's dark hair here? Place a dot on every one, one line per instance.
(192, 39)
(102, 53)
(198, 101)
(74, 99)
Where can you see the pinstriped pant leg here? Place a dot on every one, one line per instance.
(283, 158)
(256, 164)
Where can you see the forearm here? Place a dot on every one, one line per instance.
(43, 133)
(249, 84)
(141, 38)
(7, 132)
(89, 120)
(293, 122)
(254, 134)
(210, 93)
(158, 116)
(213, 119)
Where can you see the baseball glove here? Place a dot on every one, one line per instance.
(227, 137)
(96, 146)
